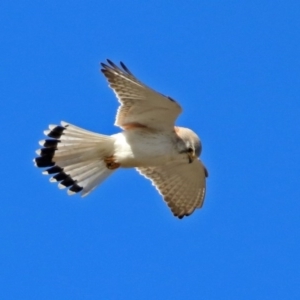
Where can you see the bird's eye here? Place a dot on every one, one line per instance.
(190, 150)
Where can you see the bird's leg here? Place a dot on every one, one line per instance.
(110, 163)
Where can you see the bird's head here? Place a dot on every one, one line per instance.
(191, 143)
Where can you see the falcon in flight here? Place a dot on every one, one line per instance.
(166, 154)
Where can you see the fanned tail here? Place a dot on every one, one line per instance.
(76, 157)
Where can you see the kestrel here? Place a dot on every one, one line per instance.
(167, 155)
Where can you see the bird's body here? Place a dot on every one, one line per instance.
(140, 148)
(149, 142)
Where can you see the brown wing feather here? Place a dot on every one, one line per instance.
(181, 185)
(140, 104)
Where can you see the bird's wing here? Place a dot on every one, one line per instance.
(140, 106)
(181, 185)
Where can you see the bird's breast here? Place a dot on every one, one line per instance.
(140, 148)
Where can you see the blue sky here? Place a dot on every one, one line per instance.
(234, 68)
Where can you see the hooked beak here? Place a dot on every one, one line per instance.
(191, 156)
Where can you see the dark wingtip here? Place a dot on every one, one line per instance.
(171, 99)
(103, 65)
(205, 172)
(180, 215)
(106, 68)
(113, 65)
(109, 61)
(125, 68)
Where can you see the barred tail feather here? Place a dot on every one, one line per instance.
(75, 157)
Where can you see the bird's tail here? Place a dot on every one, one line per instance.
(75, 157)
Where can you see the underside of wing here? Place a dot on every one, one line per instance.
(140, 105)
(181, 185)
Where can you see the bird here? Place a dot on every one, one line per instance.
(168, 155)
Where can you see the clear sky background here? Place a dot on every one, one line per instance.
(234, 67)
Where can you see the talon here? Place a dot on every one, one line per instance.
(110, 163)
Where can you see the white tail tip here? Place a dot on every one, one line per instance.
(61, 186)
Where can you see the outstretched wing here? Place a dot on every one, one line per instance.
(181, 185)
(140, 105)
